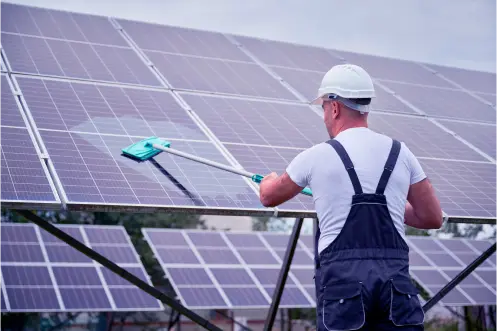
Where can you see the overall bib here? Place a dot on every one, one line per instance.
(362, 278)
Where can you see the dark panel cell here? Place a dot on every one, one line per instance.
(22, 171)
(25, 275)
(394, 69)
(16, 18)
(269, 276)
(300, 257)
(81, 276)
(464, 189)
(232, 276)
(416, 260)
(254, 122)
(469, 280)
(85, 298)
(470, 79)
(245, 240)
(173, 238)
(115, 280)
(11, 114)
(481, 136)
(481, 295)
(18, 233)
(207, 239)
(480, 245)
(311, 291)
(469, 257)
(210, 75)
(422, 137)
(442, 259)
(133, 298)
(291, 296)
(102, 235)
(257, 256)
(34, 299)
(182, 41)
(245, 297)
(65, 253)
(488, 276)
(456, 246)
(21, 253)
(73, 231)
(290, 55)
(189, 276)
(304, 276)
(218, 256)
(172, 256)
(429, 277)
(445, 103)
(117, 254)
(98, 29)
(277, 240)
(308, 241)
(202, 297)
(264, 160)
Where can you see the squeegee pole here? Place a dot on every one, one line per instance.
(202, 160)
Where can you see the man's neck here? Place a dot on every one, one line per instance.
(353, 125)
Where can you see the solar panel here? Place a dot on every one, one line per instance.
(394, 69)
(36, 280)
(445, 103)
(63, 58)
(472, 80)
(229, 270)
(481, 136)
(422, 137)
(84, 127)
(447, 258)
(255, 122)
(50, 23)
(465, 189)
(25, 178)
(491, 98)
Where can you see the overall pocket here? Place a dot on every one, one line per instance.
(405, 308)
(343, 307)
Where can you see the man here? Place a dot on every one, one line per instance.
(365, 187)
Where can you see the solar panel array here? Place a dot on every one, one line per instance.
(41, 273)
(92, 85)
(216, 269)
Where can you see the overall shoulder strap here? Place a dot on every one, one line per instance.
(389, 166)
(349, 166)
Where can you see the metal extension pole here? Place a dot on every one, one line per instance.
(285, 268)
(117, 270)
(459, 278)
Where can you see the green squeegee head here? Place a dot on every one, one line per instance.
(143, 150)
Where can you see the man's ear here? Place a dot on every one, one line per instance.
(335, 109)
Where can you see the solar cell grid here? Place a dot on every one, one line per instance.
(393, 69)
(77, 280)
(11, 115)
(264, 160)
(464, 188)
(472, 80)
(289, 55)
(254, 122)
(61, 58)
(213, 75)
(59, 24)
(491, 98)
(444, 103)
(184, 41)
(480, 136)
(422, 137)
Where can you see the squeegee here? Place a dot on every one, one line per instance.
(150, 147)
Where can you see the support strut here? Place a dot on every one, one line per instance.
(285, 268)
(117, 270)
(459, 278)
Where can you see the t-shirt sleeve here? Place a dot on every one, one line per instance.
(299, 169)
(416, 170)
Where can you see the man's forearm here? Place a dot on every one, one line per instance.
(411, 219)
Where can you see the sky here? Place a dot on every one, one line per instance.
(458, 33)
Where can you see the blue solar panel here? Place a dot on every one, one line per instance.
(472, 80)
(78, 280)
(62, 58)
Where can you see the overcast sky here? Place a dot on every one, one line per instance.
(452, 32)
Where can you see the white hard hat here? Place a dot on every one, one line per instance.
(346, 81)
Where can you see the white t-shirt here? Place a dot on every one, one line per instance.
(321, 169)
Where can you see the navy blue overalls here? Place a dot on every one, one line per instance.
(362, 278)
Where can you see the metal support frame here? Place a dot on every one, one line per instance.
(182, 310)
(285, 268)
(459, 278)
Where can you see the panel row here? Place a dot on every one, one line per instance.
(42, 273)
